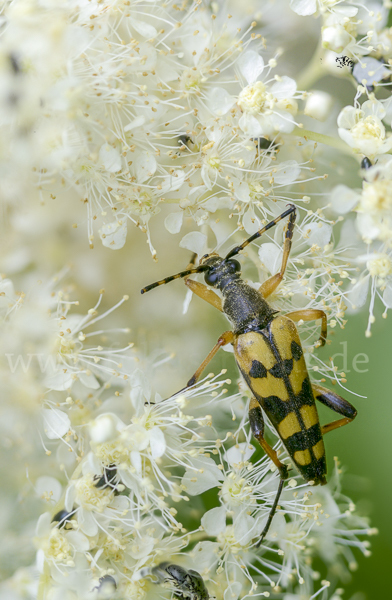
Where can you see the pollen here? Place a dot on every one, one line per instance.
(89, 496)
(253, 98)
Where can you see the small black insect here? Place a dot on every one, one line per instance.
(63, 518)
(366, 163)
(265, 144)
(108, 477)
(184, 141)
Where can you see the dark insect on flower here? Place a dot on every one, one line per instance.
(107, 584)
(108, 477)
(187, 583)
(14, 63)
(344, 61)
(265, 144)
(185, 141)
(366, 163)
(63, 518)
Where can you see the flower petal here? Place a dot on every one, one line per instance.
(195, 241)
(288, 172)
(387, 296)
(78, 541)
(250, 222)
(89, 380)
(239, 453)
(204, 476)
(214, 520)
(59, 381)
(343, 199)
(173, 222)
(271, 256)
(43, 524)
(251, 65)
(110, 158)
(114, 235)
(347, 117)
(358, 294)
(285, 88)
(48, 487)
(303, 7)
(219, 101)
(145, 166)
(56, 423)
(244, 529)
(318, 233)
(145, 29)
(157, 442)
(233, 591)
(87, 522)
(250, 125)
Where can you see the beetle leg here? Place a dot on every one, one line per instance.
(311, 314)
(225, 338)
(256, 421)
(269, 286)
(204, 292)
(336, 403)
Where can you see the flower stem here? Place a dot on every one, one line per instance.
(322, 139)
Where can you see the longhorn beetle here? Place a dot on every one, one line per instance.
(269, 355)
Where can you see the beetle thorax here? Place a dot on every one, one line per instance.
(244, 306)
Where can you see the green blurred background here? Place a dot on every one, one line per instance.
(365, 448)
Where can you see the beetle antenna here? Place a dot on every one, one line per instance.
(198, 269)
(238, 249)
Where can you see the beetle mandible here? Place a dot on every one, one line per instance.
(269, 355)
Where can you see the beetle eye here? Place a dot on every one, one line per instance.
(211, 277)
(234, 266)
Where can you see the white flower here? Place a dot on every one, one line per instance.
(318, 105)
(336, 37)
(266, 108)
(363, 130)
(310, 7)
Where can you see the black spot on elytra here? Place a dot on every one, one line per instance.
(257, 370)
(303, 440)
(296, 350)
(315, 471)
(275, 408)
(282, 368)
(306, 394)
(276, 370)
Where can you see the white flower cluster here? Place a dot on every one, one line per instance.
(177, 118)
(348, 27)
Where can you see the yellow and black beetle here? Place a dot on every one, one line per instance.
(269, 355)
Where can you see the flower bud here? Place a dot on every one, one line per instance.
(318, 105)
